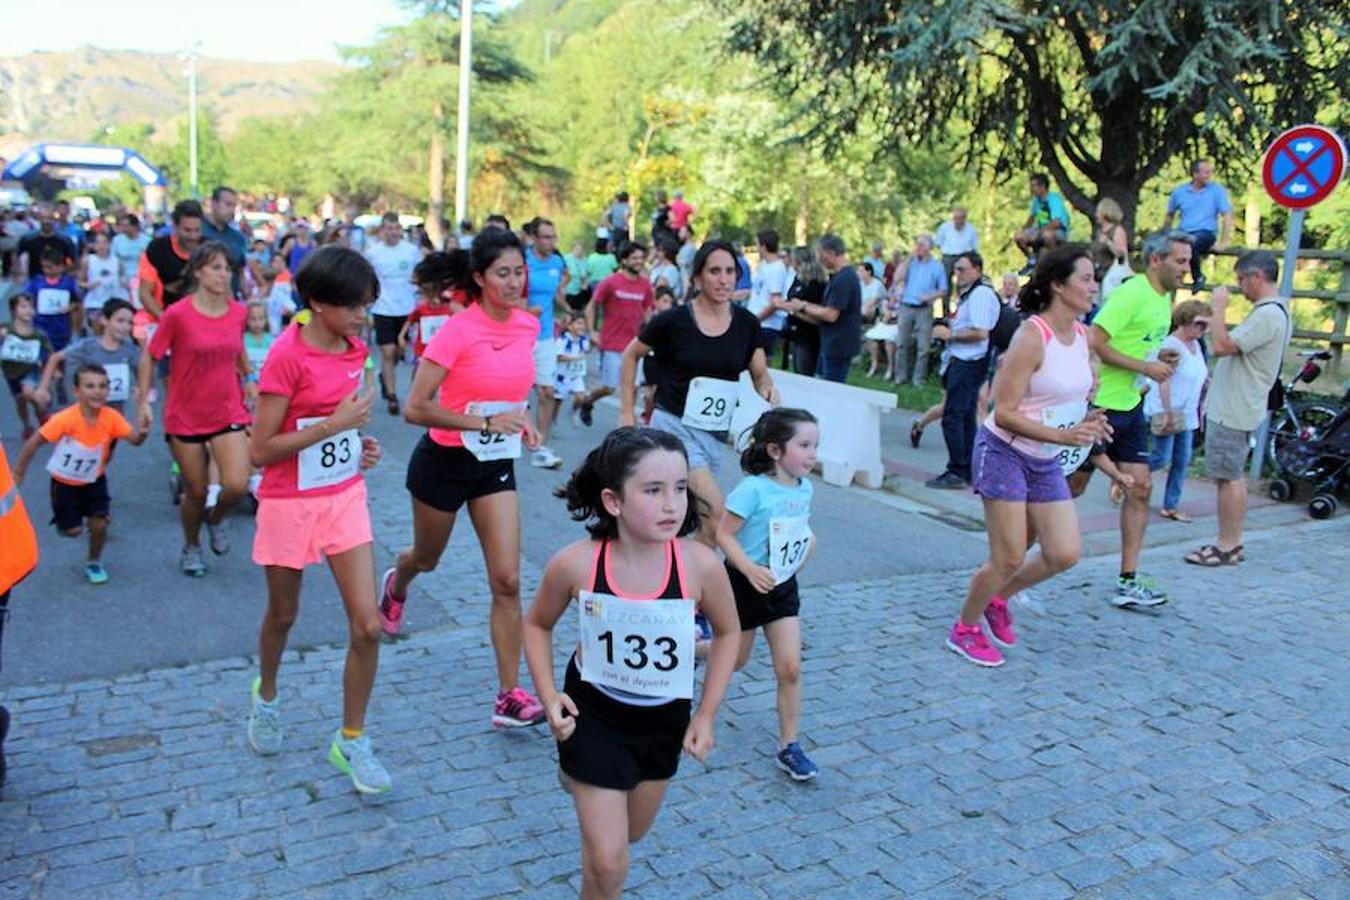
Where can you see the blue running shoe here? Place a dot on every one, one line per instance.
(794, 761)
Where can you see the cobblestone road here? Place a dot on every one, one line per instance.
(1203, 751)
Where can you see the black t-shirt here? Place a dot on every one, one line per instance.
(37, 242)
(171, 269)
(684, 353)
(843, 336)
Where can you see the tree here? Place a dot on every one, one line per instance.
(1101, 93)
(405, 77)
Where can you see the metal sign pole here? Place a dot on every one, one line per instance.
(1286, 290)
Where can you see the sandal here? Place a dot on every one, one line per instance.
(915, 433)
(1211, 557)
(1176, 515)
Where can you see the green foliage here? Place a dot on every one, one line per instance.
(1101, 93)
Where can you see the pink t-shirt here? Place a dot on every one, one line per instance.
(485, 361)
(314, 382)
(206, 394)
(1063, 380)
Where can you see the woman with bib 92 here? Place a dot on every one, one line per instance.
(1024, 448)
(701, 349)
(470, 390)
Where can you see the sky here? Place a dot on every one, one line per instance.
(258, 30)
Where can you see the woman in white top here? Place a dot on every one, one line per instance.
(1173, 407)
(100, 280)
(1110, 219)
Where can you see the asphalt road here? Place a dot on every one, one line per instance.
(150, 615)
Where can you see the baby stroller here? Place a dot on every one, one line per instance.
(1322, 462)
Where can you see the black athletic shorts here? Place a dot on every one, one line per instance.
(577, 302)
(204, 438)
(387, 329)
(446, 478)
(1129, 435)
(73, 503)
(617, 745)
(757, 610)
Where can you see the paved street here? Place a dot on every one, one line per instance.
(1201, 751)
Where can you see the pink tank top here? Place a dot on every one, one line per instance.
(1058, 391)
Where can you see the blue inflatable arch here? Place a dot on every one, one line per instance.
(88, 157)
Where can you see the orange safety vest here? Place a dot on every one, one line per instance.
(18, 543)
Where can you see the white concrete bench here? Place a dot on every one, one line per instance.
(850, 423)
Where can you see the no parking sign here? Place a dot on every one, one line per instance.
(1303, 166)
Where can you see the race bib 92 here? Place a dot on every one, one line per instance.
(485, 445)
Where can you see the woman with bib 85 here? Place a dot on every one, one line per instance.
(1020, 459)
(624, 713)
(312, 499)
(701, 349)
(470, 390)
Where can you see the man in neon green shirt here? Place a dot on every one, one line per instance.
(1126, 335)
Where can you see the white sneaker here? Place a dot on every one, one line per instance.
(544, 458)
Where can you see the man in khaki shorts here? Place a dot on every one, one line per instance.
(1249, 362)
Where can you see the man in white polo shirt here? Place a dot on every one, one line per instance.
(965, 363)
(393, 259)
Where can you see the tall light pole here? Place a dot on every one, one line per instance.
(462, 141)
(192, 116)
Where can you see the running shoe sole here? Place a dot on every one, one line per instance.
(793, 775)
(1131, 602)
(993, 637)
(336, 758)
(952, 646)
(500, 721)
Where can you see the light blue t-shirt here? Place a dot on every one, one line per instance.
(1052, 207)
(1200, 210)
(545, 276)
(924, 277)
(759, 499)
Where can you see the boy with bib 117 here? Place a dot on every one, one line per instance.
(83, 434)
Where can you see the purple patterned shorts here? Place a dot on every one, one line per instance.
(1002, 472)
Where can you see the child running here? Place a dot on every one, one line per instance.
(437, 278)
(56, 293)
(573, 347)
(766, 538)
(112, 348)
(83, 435)
(313, 497)
(624, 712)
(23, 350)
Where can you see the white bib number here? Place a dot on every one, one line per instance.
(430, 325)
(53, 301)
(20, 350)
(789, 543)
(575, 368)
(710, 404)
(331, 461)
(1065, 417)
(73, 461)
(644, 647)
(485, 445)
(119, 381)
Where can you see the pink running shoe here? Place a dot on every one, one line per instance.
(970, 642)
(517, 708)
(391, 608)
(999, 617)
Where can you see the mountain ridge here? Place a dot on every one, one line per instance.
(71, 95)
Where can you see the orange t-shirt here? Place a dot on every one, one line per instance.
(71, 423)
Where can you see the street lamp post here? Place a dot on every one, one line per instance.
(192, 116)
(462, 135)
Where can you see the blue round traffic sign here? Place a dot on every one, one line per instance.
(1303, 166)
